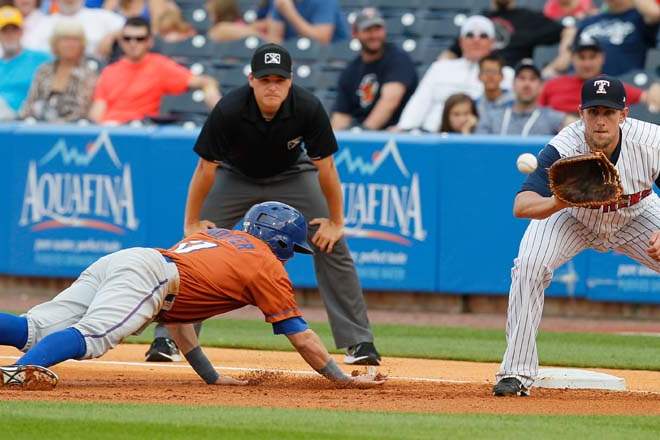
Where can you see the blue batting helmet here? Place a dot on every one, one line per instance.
(282, 227)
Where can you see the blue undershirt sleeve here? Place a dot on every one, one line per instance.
(290, 326)
(538, 180)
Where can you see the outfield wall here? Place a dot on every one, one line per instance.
(424, 213)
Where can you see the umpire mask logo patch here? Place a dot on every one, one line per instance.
(293, 143)
(600, 86)
(272, 58)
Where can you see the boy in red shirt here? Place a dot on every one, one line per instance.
(563, 93)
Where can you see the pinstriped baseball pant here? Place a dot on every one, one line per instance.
(546, 245)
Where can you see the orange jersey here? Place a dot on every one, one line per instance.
(222, 270)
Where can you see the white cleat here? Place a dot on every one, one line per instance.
(28, 377)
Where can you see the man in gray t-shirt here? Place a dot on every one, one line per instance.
(524, 117)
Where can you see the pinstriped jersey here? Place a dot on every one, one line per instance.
(638, 165)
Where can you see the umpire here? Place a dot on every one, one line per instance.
(272, 140)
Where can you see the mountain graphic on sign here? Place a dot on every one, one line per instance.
(72, 155)
(379, 157)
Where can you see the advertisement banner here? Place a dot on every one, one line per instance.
(77, 195)
(615, 277)
(7, 143)
(389, 205)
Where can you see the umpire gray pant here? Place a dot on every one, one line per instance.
(233, 194)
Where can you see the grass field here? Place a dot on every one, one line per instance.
(30, 420)
(67, 420)
(451, 343)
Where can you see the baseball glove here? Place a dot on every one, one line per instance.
(587, 180)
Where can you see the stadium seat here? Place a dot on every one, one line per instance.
(637, 78)
(193, 49)
(353, 3)
(435, 27)
(653, 62)
(535, 5)
(479, 6)
(327, 79)
(446, 8)
(197, 16)
(303, 49)
(543, 55)
(183, 4)
(186, 107)
(395, 26)
(424, 50)
(327, 98)
(305, 76)
(640, 111)
(234, 52)
(231, 77)
(340, 53)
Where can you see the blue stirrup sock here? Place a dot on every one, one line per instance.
(55, 348)
(13, 330)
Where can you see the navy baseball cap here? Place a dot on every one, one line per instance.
(527, 63)
(585, 42)
(605, 91)
(271, 59)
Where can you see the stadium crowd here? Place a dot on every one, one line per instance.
(469, 66)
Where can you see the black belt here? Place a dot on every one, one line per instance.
(170, 297)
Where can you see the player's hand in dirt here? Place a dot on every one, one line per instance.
(327, 235)
(200, 226)
(228, 380)
(654, 246)
(369, 379)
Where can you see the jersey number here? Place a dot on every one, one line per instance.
(193, 245)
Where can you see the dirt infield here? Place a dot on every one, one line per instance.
(282, 379)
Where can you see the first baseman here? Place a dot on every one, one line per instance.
(272, 140)
(206, 274)
(558, 232)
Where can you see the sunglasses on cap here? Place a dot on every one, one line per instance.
(129, 38)
(482, 35)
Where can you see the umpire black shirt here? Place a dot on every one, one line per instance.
(236, 134)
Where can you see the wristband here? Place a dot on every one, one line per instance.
(332, 372)
(200, 363)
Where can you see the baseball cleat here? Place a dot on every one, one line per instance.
(364, 353)
(163, 350)
(28, 377)
(510, 386)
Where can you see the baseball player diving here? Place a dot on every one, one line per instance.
(206, 274)
(558, 231)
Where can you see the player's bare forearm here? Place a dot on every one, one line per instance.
(340, 121)
(319, 32)
(331, 187)
(649, 9)
(386, 105)
(184, 335)
(311, 348)
(200, 185)
(529, 204)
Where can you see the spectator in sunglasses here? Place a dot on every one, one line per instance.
(449, 76)
(519, 30)
(131, 88)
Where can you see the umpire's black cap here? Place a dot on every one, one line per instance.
(605, 91)
(271, 59)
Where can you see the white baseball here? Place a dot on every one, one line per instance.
(527, 163)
